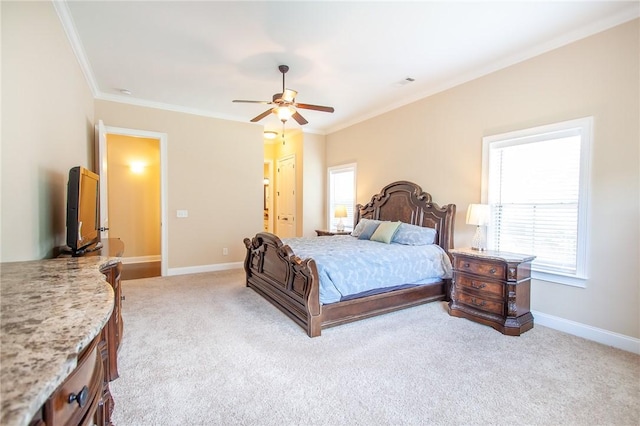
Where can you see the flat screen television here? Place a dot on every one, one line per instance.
(83, 210)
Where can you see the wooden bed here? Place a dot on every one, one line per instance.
(292, 284)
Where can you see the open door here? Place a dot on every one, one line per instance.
(101, 161)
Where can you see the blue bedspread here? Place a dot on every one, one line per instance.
(347, 265)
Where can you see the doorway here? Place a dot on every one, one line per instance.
(132, 166)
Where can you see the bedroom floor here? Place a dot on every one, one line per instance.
(205, 349)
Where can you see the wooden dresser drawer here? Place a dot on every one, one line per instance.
(487, 305)
(76, 399)
(480, 267)
(485, 287)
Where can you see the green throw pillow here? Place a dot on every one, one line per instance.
(385, 232)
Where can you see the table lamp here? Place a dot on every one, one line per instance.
(478, 214)
(340, 212)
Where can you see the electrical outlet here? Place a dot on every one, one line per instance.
(225, 251)
(182, 213)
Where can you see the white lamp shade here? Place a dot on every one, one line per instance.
(478, 214)
(341, 211)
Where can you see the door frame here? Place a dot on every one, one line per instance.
(163, 141)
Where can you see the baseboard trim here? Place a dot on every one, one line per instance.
(609, 338)
(140, 259)
(205, 268)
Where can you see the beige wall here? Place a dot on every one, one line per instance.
(214, 172)
(47, 128)
(134, 198)
(436, 142)
(314, 184)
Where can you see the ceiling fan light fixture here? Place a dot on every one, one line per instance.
(289, 95)
(284, 113)
(270, 134)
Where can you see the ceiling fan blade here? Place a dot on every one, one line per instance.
(315, 107)
(261, 116)
(289, 95)
(300, 119)
(252, 102)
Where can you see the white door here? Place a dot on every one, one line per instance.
(101, 139)
(286, 197)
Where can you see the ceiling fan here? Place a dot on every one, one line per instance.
(285, 104)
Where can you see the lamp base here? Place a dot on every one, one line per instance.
(340, 226)
(479, 241)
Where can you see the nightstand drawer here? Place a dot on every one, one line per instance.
(480, 267)
(481, 303)
(483, 286)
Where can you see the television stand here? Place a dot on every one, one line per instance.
(66, 250)
(95, 247)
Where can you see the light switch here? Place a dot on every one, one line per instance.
(183, 213)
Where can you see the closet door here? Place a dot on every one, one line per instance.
(286, 197)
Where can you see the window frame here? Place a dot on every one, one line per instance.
(348, 226)
(584, 128)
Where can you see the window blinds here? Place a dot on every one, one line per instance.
(342, 192)
(534, 189)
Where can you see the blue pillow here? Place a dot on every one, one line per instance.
(360, 226)
(369, 228)
(413, 235)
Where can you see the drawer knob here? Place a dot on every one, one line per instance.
(80, 398)
(475, 302)
(478, 286)
(466, 265)
(492, 270)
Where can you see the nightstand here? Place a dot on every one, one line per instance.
(327, 233)
(492, 288)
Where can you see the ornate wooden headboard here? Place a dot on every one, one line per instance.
(406, 202)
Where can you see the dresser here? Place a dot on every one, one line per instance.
(57, 325)
(492, 288)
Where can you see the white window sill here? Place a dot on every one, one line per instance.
(572, 281)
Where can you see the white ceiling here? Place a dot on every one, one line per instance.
(198, 56)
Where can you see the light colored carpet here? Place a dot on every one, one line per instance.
(203, 349)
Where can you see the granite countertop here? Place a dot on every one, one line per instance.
(50, 310)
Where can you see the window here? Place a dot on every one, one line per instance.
(536, 184)
(342, 192)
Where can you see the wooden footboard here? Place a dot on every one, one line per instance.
(281, 277)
